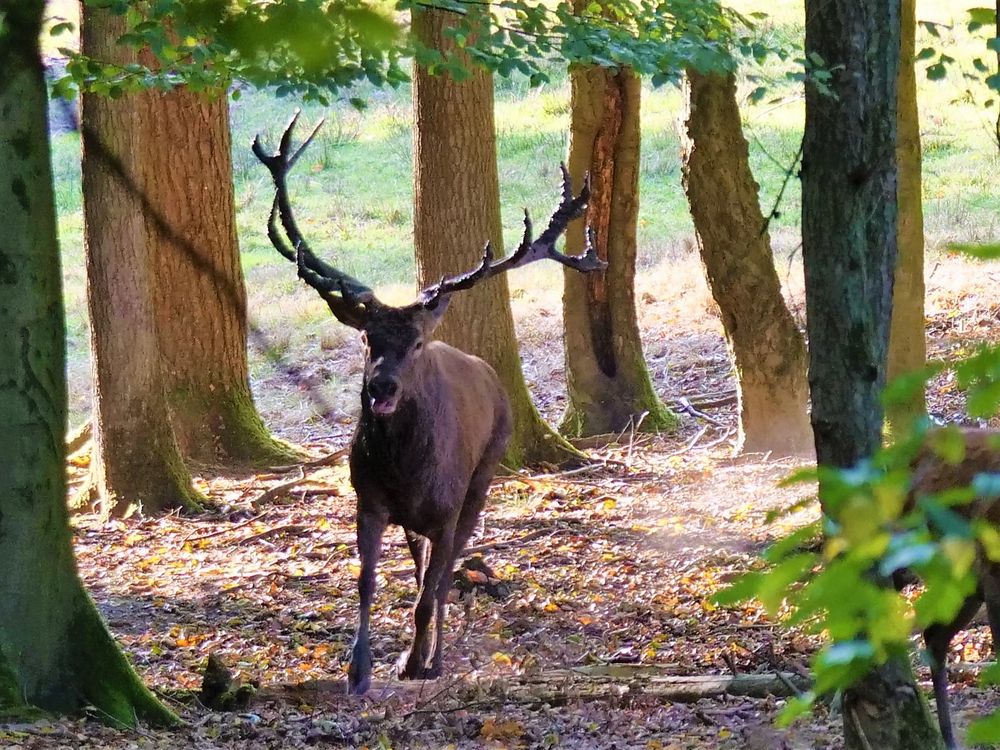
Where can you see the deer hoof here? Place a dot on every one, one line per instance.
(359, 675)
(409, 668)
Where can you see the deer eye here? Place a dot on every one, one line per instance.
(418, 346)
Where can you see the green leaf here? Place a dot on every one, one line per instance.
(936, 72)
(982, 252)
(925, 54)
(982, 16)
(796, 707)
(948, 444)
(742, 589)
(907, 557)
(932, 28)
(793, 542)
(60, 28)
(985, 731)
(990, 675)
(984, 400)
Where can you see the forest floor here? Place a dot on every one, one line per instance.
(598, 593)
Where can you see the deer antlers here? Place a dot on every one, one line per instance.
(570, 207)
(352, 297)
(350, 300)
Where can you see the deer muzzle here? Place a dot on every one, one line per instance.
(383, 395)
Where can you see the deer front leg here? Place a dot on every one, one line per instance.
(938, 638)
(371, 526)
(416, 663)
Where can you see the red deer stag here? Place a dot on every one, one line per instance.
(434, 421)
(933, 474)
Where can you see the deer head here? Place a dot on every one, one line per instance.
(394, 337)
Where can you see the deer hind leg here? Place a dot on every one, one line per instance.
(371, 526)
(419, 547)
(467, 520)
(415, 663)
(938, 638)
(989, 580)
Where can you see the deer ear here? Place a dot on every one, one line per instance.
(433, 312)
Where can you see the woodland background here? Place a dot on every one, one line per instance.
(608, 569)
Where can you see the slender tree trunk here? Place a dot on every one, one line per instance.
(200, 297)
(55, 652)
(136, 460)
(907, 341)
(997, 19)
(608, 383)
(766, 346)
(456, 210)
(849, 253)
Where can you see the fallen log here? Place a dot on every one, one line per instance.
(619, 680)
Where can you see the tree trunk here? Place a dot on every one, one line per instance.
(456, 210)
(607, 380)
(55, 652)
(907, 342)
(766, 347)
(136, 461)
(200, 306)
(849, 252)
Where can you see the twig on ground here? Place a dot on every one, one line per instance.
(730, 662)
(788, 683)
(327, 460)
(717, 441)
(289, 528)
(860, 730)
(690, 443)
(709, 400)
(585, 469)
(687, 407)
(634, 426)
(277, 490)
(507, 542)
(219, 532)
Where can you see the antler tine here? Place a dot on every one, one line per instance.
(570, 207)
(278, 164)
(430, 296)
(309, 139)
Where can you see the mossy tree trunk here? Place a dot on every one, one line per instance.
(55, 652)
(766, 346)
(849, 224)
(907, 340)
(136, 462)
(200, 309)
(456, 210)
(608, 383)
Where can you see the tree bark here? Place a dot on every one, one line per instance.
(456, 210)
(766, 346)
(907, 340)
(55, 652)
(608, 384)
(200, 309)
(849, 225)
(136, 462)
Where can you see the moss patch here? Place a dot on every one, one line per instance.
(226, 428)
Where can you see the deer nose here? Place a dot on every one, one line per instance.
(382, 389)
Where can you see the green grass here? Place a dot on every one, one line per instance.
(353, 190)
